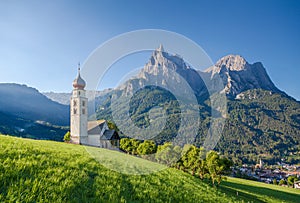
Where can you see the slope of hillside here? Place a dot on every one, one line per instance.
(46, 171)
(28, 103)
(30, 129)
(260, 124)
(253, 191)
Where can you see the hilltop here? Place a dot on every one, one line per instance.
(47, 171)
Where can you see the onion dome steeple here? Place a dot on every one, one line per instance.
(79, 83)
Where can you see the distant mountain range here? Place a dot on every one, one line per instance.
(262, 121)
(29, 103)
(26, 112)
(64, 98)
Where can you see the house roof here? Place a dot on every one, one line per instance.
(108, 135)
(95, 127)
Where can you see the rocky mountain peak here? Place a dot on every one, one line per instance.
(160, 48)
(160, 58)
(238, 75)
(164, 68)
(233, 62)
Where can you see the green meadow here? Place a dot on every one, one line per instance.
(47, 171)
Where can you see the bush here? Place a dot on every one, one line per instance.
(67, 137)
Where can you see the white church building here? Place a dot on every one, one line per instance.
(91, 133)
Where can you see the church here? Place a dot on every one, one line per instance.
(84, 132)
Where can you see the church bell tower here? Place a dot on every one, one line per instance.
(79, 111)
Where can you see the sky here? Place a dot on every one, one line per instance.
(41, 42)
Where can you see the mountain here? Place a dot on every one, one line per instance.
(25, 112)
(28, 103)
(61, 98)
(238, 75)
(167, 71)
(64, 98)
(262, 124)
(262, 121)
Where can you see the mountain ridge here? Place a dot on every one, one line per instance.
(238, 75)
(29, 103)
(259, 114)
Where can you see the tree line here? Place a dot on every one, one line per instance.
(189, 158)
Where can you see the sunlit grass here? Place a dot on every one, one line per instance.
(257, 191)
(124, 163)
(46, 171)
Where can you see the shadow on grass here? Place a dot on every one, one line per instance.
(238, 194)
(257, 194)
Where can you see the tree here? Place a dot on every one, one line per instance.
(291, 180)
(215, 166)
(190, 159)
(147, 147)
(112, 126)
(227, 165)
(202, 168)
(129, 145)
(282, 182)
(124, 144)
(134, 144)
(201, 164)
(67, 137)
(168, 154)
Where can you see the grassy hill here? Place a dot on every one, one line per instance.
(47, 171)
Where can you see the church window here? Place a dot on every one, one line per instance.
(83, 103)
(74, 103)
(74, 111)
(83, 111)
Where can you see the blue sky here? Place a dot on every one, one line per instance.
(41, 42)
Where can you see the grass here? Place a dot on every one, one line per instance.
(124, 163)
(47, 171)
(259, 192)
